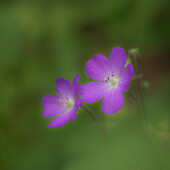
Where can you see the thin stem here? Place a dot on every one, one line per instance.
(133, 96)
(138, 76)
(135, 62)
(139, 94)
(102, 129)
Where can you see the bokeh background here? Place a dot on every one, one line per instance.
(43, 40)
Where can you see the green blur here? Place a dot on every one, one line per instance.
(43, 40)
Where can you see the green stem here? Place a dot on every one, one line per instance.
(139, 95)
(88, 110)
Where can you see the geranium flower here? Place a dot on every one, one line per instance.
(111, 80)
(65, 105)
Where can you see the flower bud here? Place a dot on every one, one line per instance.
(134, 51)
(145, 86)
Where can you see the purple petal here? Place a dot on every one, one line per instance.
(112, 101)
(73, 114)
(117, 60)
(63, 118)
(59, 121)
(92, 92)
(63, 87)
(51, 108)
(79, 102)
(76, 87)
(98, 67)
(125, 77)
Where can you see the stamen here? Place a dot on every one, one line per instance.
(63, 101)
(69, 103)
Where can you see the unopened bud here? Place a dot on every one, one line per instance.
(145, 86)
(134, 51)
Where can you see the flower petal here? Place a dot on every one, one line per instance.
(73, 114)
(92, 92)
(98, 67)
(112, 101)
(59, 121)
(79, 102)
(125, 77)
(117, 60)
(63, 118)
(63, 87)
(51, 108)
(76, 87)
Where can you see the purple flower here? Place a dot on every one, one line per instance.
(111, 80)
(65, 105)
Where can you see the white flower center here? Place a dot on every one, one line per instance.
(112, 81)
(69, 103)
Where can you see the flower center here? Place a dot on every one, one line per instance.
(112, 80)
(69, 103)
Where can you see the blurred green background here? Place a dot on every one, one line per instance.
(43, 40)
